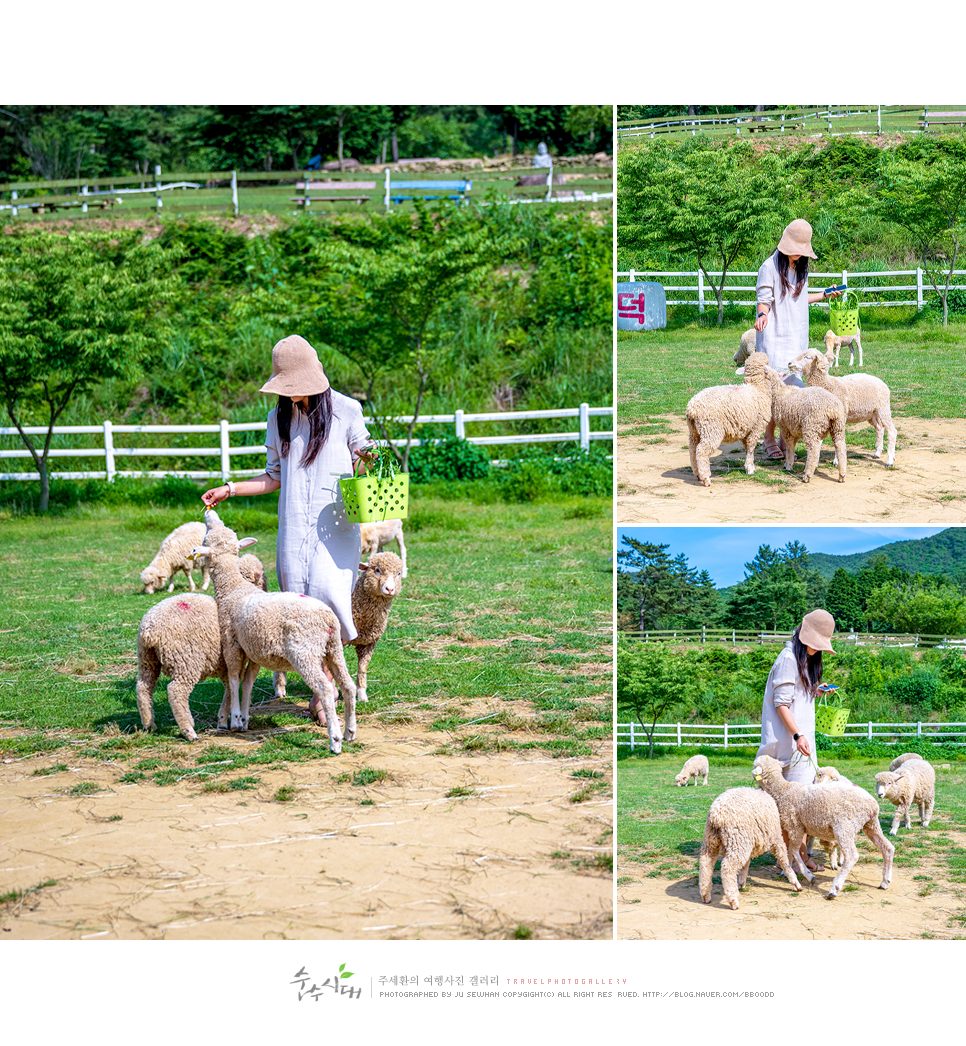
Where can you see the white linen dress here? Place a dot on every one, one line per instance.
(784, 687)
(786, 334)
(318, 549)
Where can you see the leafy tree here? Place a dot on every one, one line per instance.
(920, 607)
(657, 592)
(710, 203)
(74, 310)
(780, 587)
(927, 196)
(652, 681)
(842, 601)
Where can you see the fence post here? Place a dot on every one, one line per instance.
(703, 639)
(918, 731)
(585, 426)
(733, 638)
(386, 197)
(878, 119)
(700, 290)
(632, 735)
(549, 183)
(726, 735)
(631, 276)
(84, 204)
(679, 735)
(870, 731)
(234, 191)
(459, 424)
(225, 456)
(919, 287)
(13, 210)
(109, 468)
(157, 184)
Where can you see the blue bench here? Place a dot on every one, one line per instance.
(439, 188)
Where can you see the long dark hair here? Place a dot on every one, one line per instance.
(320, 417)
(801, 273)
(809, 666)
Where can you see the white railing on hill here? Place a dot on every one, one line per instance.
(698, 293)
(225, 451)
(737, 735)
(735, 637)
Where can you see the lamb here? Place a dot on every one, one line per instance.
(808, 415)
(174, 555)
(834, 343)
(827, 812)
(379, 581)
(726, 413)
(375, 537)
(746, 347)
(696, 766)
(864, 396)
(282, 631)
(179, 638)
(904, 758)
(742, 823)
(913, 782)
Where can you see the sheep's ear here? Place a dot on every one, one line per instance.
(200, 550)
(247, 542)
(363, 566)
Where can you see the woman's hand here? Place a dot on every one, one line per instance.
(761, 321)
(802, 745)
(215, 496)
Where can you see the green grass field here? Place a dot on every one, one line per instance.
(505, 604)
(660, 826)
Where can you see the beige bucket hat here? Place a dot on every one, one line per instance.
(296, 370)
(797, 239)
(816, 630)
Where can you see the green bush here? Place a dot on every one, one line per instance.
(920, 690)
(448, 459)
(536, 474)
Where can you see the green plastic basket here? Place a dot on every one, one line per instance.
(368, 499)
(831, 721)
(844, 314)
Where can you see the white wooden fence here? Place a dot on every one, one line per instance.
(735, 735)
(698, 293)
(110, 452)
(733, 637)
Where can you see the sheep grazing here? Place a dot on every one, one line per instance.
(746, 347)
(742, 823)
(724, 413)
(696, 766)
(174, 555)
(864, 396)
(379, 581)
(375, 537)
(808, 415)
(282, 631)
(904, 758)
(179, 637)
(827, 812)
(913, 782)
(834, 343)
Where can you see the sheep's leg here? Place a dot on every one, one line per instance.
(750, 445)
(743, 877)
(838, 438)
(878, 840)
(706, 861)
(879, 433)
(365, 656)
(225, 706)
(813, 450)
(324, 694)
(205, 575)
(335, 662)
(790, 445)
(793, 841)
(191, 580)
(890, 426)
(693, 440)
(402, 551)
(850, 855)
(781, 856)
(907, 810)
(233, 709)
(179, 691)
(730, 867)
(926, 811)
(896, 818)
(149, 670)
(280, 685)
(248, 681)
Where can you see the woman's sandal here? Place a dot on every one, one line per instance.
(774, 451)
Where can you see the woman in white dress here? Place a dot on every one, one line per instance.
(781, 313)
(315, 437)
(788, 707)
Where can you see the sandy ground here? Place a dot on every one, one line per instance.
(144, 862)
(662, 909)
(655, 484)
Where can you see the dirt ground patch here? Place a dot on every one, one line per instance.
(660, 909)
(654, 482)
(144, 862)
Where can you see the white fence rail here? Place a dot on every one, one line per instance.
(699, 293)
(739, 735)
(735, 636)
(110, 452)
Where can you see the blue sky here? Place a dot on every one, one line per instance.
(723, 551)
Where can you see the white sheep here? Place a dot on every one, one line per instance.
(808, 415)
(179, 637)
(174, 555)
(913, 782)
(282, 631)
(834, 343)
(829, 775)
(904, 758)
(742, 823)
(864, 396)
(724, 413)
(827, 812)
(746, 346)
(375, 536)
(379, 581)
(696, 766)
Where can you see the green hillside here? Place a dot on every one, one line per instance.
(943, 553)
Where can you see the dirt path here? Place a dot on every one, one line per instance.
(662, 909)
(655, 484)
(143, 862)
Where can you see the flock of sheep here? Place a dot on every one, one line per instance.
(746, 822)
(245, 627)
(730, 413)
